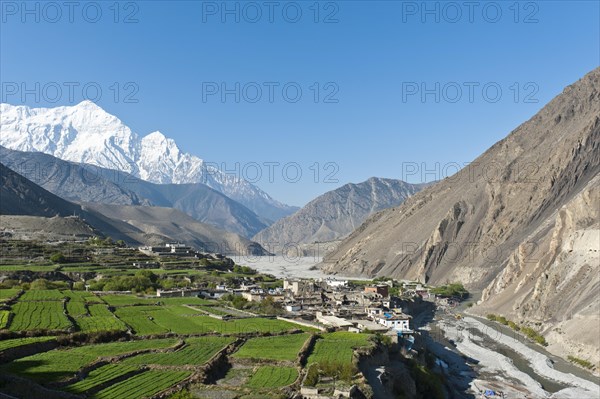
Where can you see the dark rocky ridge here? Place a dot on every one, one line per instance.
(337, 213)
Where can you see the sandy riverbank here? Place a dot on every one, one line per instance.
(497, 370)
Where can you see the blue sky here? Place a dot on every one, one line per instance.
(369, 61)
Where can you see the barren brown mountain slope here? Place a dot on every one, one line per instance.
(337, 213)
(467, 226)
(520, 223)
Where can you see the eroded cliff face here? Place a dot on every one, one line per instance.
(520, 223)
(473, 225)
(555, 286)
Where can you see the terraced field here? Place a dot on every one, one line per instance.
(129, 300)
(76, 309)
(42, 295)
(212, 309)
(126, 300)
(37, 315)
(6, 294)
(100, 319)
(146, 320)
(100, 376)
(140, 320)
(282, 347)
(81, 296)
(338, 347)
(61, 363)
(13, 343)
(4, 317)
(272, 377)
(196, 352)
(143, 385)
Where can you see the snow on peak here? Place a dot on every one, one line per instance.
(156, 137)
(87, 133)
(88, 104)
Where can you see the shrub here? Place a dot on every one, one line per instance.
(312, 375)
(514, 325)
(581, 362)
(40, 284)
(58, 258)
(449, 290)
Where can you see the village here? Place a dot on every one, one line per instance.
(359, 306)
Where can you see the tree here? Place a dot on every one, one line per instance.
(58, 257)
(40, 284)
(239, 302)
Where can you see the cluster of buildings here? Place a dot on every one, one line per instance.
(339, 305)
(178, 250)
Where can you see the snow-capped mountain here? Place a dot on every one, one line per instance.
(86, 133)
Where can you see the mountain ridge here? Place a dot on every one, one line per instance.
(525, 235)
(338, 212)
(85, 133)
(86, 183)
(29, 206)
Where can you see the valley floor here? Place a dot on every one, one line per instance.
(490, 358)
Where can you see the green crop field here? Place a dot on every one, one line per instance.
(28, 267)
(81, 296)
(76, 309)
(42, 295)
(58, 364)
(281, 347)
(183, 310)
(272, 377)
(146, 320)
(139, 320)
(7, 294)
(13, 343)
(185, 301)
(100, 319)
(143, 385)
(197, 351)
(4, 316)
(212, 309)
(35, 315)
(127, 300)
(338, 347)
(100, 376)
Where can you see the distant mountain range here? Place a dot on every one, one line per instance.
(85, 133)
(32, 207)
(337, 213)
(521, 224)
(84, 183)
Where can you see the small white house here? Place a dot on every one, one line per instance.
(332, 282)
(374, 312)
(332, 321)
(397, 322)
(295, 307)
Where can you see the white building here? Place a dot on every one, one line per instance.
(397, 322)
(332, 282)
(295, 307)
(333, 321)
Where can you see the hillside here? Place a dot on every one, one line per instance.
(521, 224)
(30, 206)
(85, 133)
(19, 196)
(80, 182)
(337, 213)
(157, 225)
